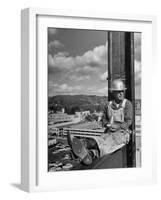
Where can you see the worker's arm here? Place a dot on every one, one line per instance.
(128, 116)
(105, 119)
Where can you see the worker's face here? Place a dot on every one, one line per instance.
(118, 95)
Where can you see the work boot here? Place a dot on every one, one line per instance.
(79, 149)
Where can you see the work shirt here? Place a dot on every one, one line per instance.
(122, 114)
(128, 114)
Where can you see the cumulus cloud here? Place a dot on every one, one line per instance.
(137, 72)
(137, 44)
(76, 77)
(62, 54)
(104, 76)
(54, 45)
(52, 31)
(52, 84)
(64, 89)
(89, 62)
(103, 91)
(59, 63)
(96, 57)
(137, 66)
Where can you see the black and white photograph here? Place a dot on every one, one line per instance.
(94, 99)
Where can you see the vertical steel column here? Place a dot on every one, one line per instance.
(109, 57)
(130, 94)
(116, 56)
(121, 65)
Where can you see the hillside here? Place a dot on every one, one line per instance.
(73, 103)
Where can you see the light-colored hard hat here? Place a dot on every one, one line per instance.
(117, 85)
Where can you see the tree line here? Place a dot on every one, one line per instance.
(76, 103)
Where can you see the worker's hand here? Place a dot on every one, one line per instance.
(114, 127)
(127, 137)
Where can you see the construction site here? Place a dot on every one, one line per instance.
(120, 65)
(59, 154)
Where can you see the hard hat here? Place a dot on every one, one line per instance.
(117, 85)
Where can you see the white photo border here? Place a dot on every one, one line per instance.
(35, 176)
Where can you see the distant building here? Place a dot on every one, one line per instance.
(60, 117)
(82, 115)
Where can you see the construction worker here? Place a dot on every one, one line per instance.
(117, 118)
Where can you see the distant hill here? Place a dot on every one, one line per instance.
(74, 103)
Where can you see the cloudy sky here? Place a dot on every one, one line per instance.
(77, 61)
(137, 50)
